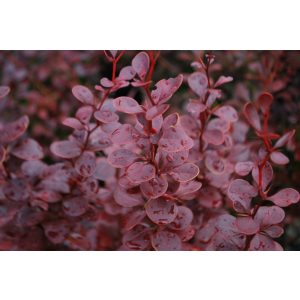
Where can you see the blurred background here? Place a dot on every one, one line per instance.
(41, 83)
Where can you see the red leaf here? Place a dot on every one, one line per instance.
(85, 165)
(83, 94)
(247, 225)
(279, 158)
(252, 116)
(183, 219)
(121, 158)
(140, 172)
(65, 149)
(140, 64)
(198, 83)
(265, 100)
(127, 105)
(227, 113)
(166, 241)
(155, 187)
(175, 139)
(29, 149)
(185, 172)
(161, 211)
(241, 193)
(285, 197)
(166, 88)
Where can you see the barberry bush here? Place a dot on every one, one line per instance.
(145, 164)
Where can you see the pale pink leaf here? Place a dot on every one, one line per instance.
(65, 149)
(156, 110)
(75, 207)
(155, 187)
(127, 105)
(285, 197)
(84, 114)
(166, 241)
(266, 177)
(73, 123)
(83, 94)
(243, 168)
(121, 158)
(4, 91)
(106, 116)
(183, 219)
(198, 83)
(126, 199)
(29, 149)
(213, 136)
(222, 80)
(269, 215)
(85, 165)
(247, 225)
(252, 116)
(140, 172)
(279, 158)
(127, 73)
(227, 113)
(124, 134)
(185, 172)
(263, 243)
(284, 139)
(140, 64)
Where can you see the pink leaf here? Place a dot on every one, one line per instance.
(126, 199)
(279, 158)
(247, 225)
(156, 110)
(166, 241)
(269, 215)
(121, 158)
(241, 193)
(274, 231)
(185, 172)
(175, 139)
(84, 114)
(75, 207)
(106, 82)
(284, 139)
(161, 211)
(85, 165)
(106, 116)
(127, 105)
(166, 88)
(127, 73)
(210, 197)
(29, 149)
(243, 168)
(124, 134)
(222, 80)
(198, 83)
(12, 131)
(73, 123)
(214, 163)
(98, 140)
(263, 243)
(4, 91)
(227, 113)
(65, 149)
(213, 136)
(104, 171)
(252, 116)
(155, 187)
(140, 172)
(267, 175)
(265, 100)
(140, 64)
(183, 219)
(188, 187)
(83, 94)
(285, 197)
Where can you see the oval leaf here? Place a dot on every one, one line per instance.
(83, 94)
(285, 197)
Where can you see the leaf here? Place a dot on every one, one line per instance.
(263, 243)
(127, 105)
(104, 171)
(137, 238)
(185, 172)
(140, 64)
(222, 80)
(4, 91)
(175, 139)
(274, 231)
(267, 175)
(125, 134)
(140, 172)
(105, 82)
(284, 139)
(252, 116)
(247, 225)
(127, 73)
(161, 211)
(75, 207)
(165, 89)
(126, 199)
(213, 136)
(265, 100)
(29, 149)
(84, 114)
(243, 168)
(85, 165)
(198, 83)
(73, 123)
(156, 110)
(227, 113)
(285, 197)
(83, 94)
(106, 116)
(188, 187)
(166, 241)
(12, 131)
(132, 219)
(209, 197)
(65, 149)
(155, 187)
(279, 158)
(56, 231)
(183, 219)
(269, 215)
(121, 158)
(214, 163)
(98, 140)
(241, 193)
(170, 160)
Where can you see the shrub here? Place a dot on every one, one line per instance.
(139, 173)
